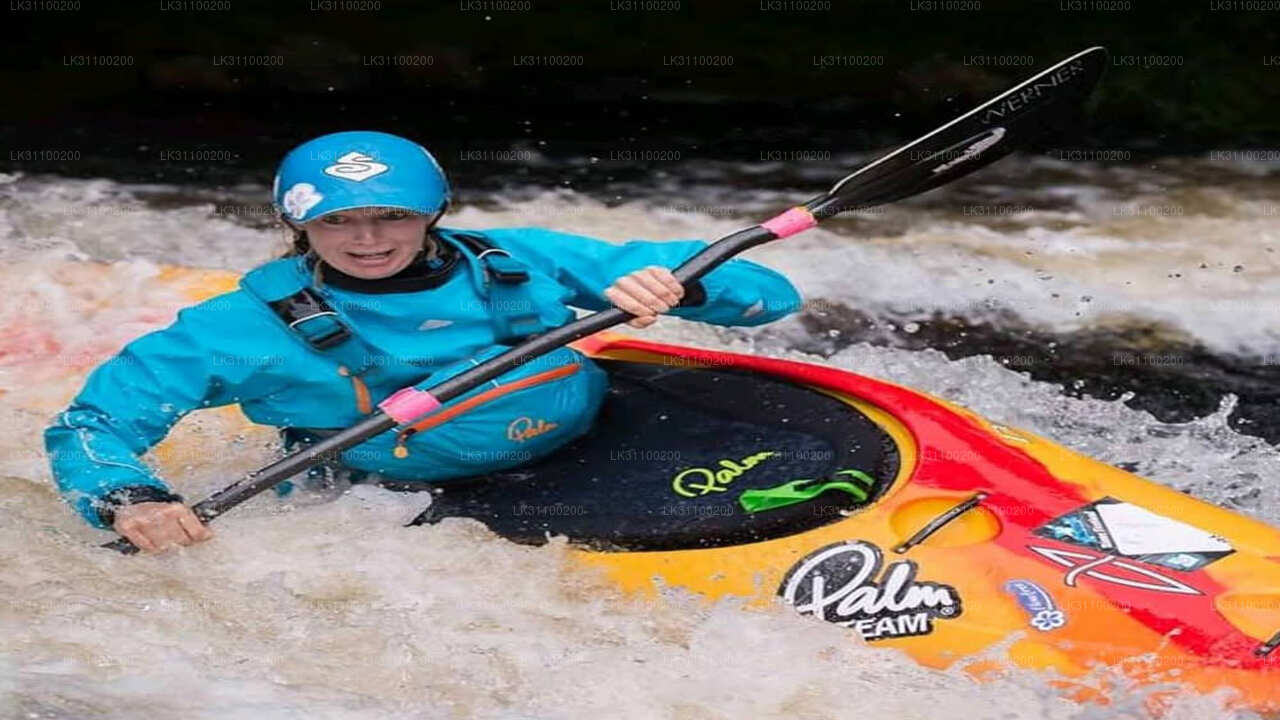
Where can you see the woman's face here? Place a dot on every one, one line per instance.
(368, 243)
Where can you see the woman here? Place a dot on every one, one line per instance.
(372, 298)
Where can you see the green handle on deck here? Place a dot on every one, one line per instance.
(794, 492)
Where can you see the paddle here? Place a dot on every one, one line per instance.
(973, 140)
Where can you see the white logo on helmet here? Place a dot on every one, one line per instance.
(356, 166)
(300, 198)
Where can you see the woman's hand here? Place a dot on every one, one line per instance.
(646, 294)
(157, 526)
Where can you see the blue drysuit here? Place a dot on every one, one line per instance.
(234, 348)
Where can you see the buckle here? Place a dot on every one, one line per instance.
(502, 268)
(336, 335)
(305, 305)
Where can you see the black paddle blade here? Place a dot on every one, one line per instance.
(973, 140)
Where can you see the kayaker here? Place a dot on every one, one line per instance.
(372, 297)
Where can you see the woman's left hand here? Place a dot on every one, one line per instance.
(646, 294)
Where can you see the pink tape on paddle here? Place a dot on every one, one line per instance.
(408, 404)
(795, 220)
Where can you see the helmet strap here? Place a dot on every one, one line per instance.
(430, 244)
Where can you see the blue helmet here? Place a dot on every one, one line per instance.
(357, 169)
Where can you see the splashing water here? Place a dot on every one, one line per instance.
(335, 610)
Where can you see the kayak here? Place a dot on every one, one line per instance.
(911, 522)
(907, 521)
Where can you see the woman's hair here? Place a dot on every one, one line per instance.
(300, 245)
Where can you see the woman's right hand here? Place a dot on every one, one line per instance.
(157, 526)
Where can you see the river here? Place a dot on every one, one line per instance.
(1128, 310)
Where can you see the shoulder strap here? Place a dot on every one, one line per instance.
(498, 263)
(282, 285)
(510, 302)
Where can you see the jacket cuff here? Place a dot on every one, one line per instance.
(107, 505)
(694, 294)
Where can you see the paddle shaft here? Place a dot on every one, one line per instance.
(380, 422)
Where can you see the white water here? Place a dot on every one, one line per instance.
(335, 611)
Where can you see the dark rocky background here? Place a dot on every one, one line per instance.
(195, 78)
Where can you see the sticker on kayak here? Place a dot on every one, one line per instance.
(1111, 569)
(842, 584)
(1120, 528)
(1045, 613)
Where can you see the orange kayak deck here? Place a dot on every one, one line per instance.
(1088, 563)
